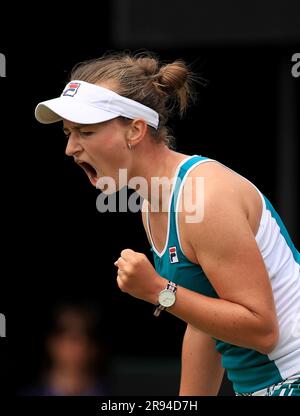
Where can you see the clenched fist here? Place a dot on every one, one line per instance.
(137, 276)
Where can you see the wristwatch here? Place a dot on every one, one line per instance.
(166, 298)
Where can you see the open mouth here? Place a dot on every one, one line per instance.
(89, 170)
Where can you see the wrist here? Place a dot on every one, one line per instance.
(166, 298)
(160, 284)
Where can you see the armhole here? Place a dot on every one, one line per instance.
(145, 219)
(263, 217)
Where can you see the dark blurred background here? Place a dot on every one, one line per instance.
(56, 247)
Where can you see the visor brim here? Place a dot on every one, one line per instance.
(60, 108)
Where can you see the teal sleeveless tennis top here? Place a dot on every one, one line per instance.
(248, 369)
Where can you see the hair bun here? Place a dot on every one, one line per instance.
(172, 77)
(173, 81)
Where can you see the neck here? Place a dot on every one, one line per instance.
(156, 164)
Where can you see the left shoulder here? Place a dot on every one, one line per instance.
(219, 187)
(216, 175)
(221, 203)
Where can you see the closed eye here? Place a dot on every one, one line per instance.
(86, 133)
(81, 133)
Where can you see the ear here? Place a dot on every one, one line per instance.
(136, 131)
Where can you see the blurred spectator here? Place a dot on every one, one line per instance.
(75, 355)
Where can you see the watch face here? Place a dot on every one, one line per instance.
(166, 298)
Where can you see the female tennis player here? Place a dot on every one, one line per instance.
(224, 263)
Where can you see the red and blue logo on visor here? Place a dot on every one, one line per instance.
(71, 89)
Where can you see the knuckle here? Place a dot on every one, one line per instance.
(129, 269)
(134, 262)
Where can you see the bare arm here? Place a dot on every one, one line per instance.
(226, 249)
(201, 370)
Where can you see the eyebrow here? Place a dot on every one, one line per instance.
(76, 127)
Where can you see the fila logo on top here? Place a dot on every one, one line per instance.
(71, 89)
(173, 255)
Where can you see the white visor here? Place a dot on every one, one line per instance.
(85, 103)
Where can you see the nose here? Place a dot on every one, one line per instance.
(73, 145)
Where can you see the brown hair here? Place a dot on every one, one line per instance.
(143, 78)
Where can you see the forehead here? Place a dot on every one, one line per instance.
(70, 125)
